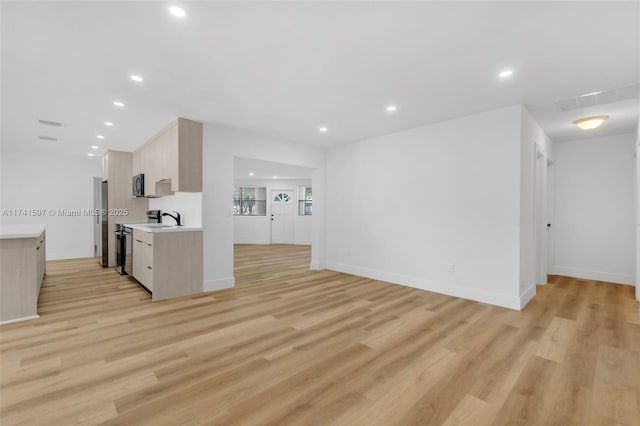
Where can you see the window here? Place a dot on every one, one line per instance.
(305, 201)
(282, 197)
(249, 201)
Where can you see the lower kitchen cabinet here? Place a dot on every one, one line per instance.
(168, 264)
(142, 264)
(22, 269)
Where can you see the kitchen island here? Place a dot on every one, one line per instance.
(22, 269)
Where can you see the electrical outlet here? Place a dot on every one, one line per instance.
(452, 267)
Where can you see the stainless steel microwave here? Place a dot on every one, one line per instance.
(138, 185)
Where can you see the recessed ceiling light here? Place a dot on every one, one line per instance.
(177, 11)
(505, 74)
(118, 104)
(99, 136)
(275, 177)
(94, 147)
(137, 78)
(590, 123)
(323, 130)
(91, 155)
(251, 174)
(392, 108)
(108, 123)
(47, 138)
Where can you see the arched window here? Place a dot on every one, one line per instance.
(281, 197)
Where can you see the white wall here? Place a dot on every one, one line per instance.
(405, 206)
(257, 229)
(532, 231)
(594, 214)
(44, 182)
(638, 212)
(188, 204)
(221, 145)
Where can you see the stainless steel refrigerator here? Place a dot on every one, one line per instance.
(105, 224)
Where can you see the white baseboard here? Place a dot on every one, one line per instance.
(470, 293)
(527, 296)
(252, 242)
(69, 255)
(610, 277)
(263, 242)
(219, 284)
(317, 266)
(20, 319)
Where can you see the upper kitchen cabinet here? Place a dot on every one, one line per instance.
(171, 160)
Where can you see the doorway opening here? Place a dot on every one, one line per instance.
(97, 218)
(272, 209)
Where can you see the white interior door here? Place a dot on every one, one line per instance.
(282, 213)
(550, 207)
(540, 189)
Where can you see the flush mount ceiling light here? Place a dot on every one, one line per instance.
(590, 123)
(91, 155)
(178, 12)
(108, 123)
(94, 147)
(136, 78)
(275, 177)
(99, 136)
(118, 104)
(323, 130)
(505, 73)
(251, 174)
(392, 108)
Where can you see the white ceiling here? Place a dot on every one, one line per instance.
(242, 167)
(286, 68)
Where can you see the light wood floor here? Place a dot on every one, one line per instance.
(289, 346)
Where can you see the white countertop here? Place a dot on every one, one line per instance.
(151, 228)
(8, 231)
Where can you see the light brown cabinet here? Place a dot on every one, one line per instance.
(143, 259)
(168, 264)
(22, 269)
(123, 208)
(171, 160)
(41, 259)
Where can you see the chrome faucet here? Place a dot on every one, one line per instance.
(176, 217)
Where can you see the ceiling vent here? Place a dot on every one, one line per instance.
(48, 138)
(50, 123)
(599, 98)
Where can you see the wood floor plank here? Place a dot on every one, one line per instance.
(291, 346)
(471, 410)
(556, 339)
(617, 384)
